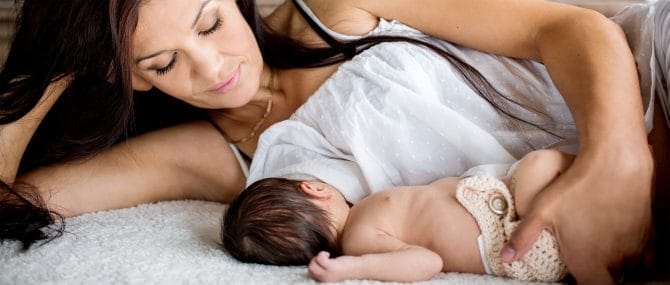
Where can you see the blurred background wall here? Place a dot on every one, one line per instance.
(6, 26)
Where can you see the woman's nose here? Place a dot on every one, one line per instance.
(208, 64)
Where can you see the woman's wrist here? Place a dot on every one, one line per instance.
(14, 137)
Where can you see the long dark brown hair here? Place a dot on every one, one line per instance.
(91, 41)
(55, 39)
(274, 222)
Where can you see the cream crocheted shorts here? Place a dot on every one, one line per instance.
(492, 206)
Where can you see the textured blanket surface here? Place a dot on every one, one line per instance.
(163, 243)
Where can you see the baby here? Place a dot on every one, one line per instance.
(401, 234)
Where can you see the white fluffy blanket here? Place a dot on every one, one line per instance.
(162, 243)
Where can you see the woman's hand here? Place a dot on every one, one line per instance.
(599, 210)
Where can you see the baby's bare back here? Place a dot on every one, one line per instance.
(427, 216)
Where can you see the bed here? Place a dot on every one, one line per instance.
(173, 242)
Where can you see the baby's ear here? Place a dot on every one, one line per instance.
(315, 190)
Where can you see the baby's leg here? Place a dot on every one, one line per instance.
(535, 171)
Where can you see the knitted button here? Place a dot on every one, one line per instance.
(497, 204)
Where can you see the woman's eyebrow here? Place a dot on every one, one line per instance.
(197, 17)
(137, 61)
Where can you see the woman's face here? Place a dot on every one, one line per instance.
(199, 51)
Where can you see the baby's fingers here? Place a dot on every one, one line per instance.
(317, 266)
(323, 258)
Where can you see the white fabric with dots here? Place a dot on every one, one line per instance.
(400, 114)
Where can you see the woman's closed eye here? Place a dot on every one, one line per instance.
(212, 29)
(167, 68)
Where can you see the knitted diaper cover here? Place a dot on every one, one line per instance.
(491, 204)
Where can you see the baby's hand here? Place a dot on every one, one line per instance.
(324, 269)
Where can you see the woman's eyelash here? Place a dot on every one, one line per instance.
(166, 69)
(213, 29)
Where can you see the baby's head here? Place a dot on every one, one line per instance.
(275, 221)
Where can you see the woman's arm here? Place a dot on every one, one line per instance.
(607, 188)
(586, 54)
(190, 161)
(14, 137)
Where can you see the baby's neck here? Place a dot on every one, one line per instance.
(340, 217)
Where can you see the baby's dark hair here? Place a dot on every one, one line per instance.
(274, 222)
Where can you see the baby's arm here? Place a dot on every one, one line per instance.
(382, 257)
(535, 171)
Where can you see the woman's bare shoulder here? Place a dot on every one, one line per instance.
(343, 16)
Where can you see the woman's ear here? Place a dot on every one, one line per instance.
(139, 83)
(315, 189)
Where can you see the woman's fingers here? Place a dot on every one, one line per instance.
(541, 216)
(523, 238)
(581, 236)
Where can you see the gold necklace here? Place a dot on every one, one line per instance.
(268, 109)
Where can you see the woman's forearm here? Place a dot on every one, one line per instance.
(14, 137)
(188, 161)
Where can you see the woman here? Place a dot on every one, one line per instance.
(209, 55)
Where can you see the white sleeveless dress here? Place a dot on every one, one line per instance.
(400, 114)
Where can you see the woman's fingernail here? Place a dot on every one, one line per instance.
(507, 254)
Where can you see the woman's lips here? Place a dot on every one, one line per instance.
(230, 83)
